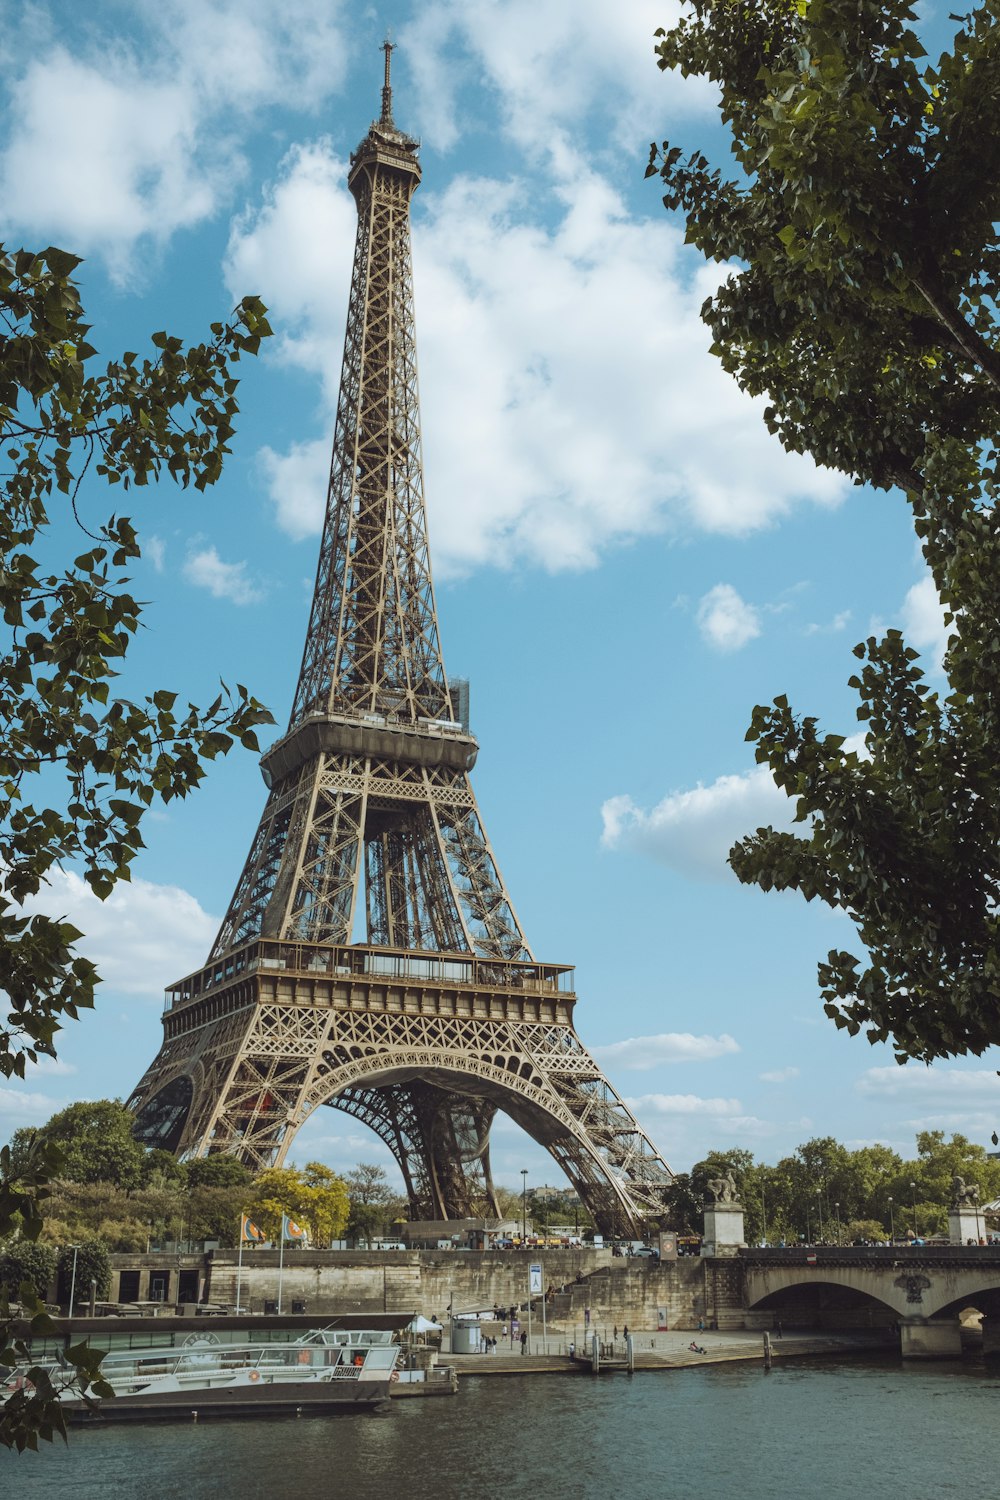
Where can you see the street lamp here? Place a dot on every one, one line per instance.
(808, 1231)
(72, 1281)
(892, 1223)
(763, 1214)
(524, 1204)
(819, 1202)
(836, 1209)
(913, 1191)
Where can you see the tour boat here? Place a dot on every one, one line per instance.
(323, 1370)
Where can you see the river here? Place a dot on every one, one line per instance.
(806, 1431)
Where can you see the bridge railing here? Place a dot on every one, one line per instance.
(866, 1255)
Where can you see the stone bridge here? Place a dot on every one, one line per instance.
(924, 1289)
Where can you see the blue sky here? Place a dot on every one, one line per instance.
(625, 561)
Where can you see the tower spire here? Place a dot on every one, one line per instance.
(387, 48)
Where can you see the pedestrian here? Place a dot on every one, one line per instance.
(701, 1325)
(614, 1332)
(625, 1331)
(524, 1343)
(777, 1328)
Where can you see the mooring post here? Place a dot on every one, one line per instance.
(767, 1350)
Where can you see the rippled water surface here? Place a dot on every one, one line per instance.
(804, 1431)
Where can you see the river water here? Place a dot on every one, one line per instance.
(806, 1431)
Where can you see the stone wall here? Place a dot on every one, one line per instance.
(616, 1290)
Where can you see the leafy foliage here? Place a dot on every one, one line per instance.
(97, 761)
(316, 1198)
(80, 767)
(217, 1171)
(95, 1143)
(372, 1201)
(33, 1411)
(863, 303)
(826, 1191)
(23, 1261)
(92, 1264)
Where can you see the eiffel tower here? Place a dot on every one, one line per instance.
(441, 1015)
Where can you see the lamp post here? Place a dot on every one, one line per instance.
(819, 1205)
(72, 1280)
(913, 1194)
(892, 1223)
(808, 1233)
(836, 1209)
(524, 1204)
(763, 1214)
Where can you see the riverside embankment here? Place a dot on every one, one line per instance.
(671, 1351)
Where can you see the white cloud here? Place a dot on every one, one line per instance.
(683, 1104)
(117, 141)
(297, 483)
(518, 50)
(155, 549)
(693, 831)
(779, 1075)
(564, 368)
(143, 937)
(51, 1067)
(839, 622)
(22, 1107)
(936, 1083)
(726, 621)
(639, 1053)
(923, 622)
(206, 570)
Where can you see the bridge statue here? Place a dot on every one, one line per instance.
(723, 1234)
(723, 1189)
(964, 1195)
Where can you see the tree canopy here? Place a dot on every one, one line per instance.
(80, 766)
(861, 300)
(825, 1190)
(315, 1197)
(95, 1144)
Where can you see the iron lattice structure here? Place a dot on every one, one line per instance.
(441, 1015)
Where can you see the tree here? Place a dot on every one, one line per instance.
(79, 767)
(218, 1171)
(92, 1264)
(95, 1142)
(97, 761)
(22, 1261)
(370, 1200)
(160, 1169)
(326, 1202)
(316, 1198)
(861, 300)
(213, 1213)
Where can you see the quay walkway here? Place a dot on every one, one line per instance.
(671, 1351)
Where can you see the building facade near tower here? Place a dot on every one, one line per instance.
(371, 958)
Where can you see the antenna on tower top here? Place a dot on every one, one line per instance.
(386, 119)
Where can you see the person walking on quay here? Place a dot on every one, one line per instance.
(524, 1343)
